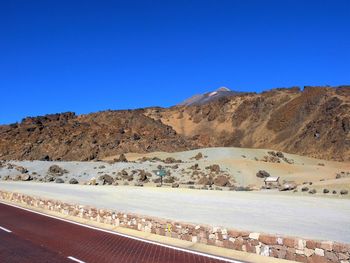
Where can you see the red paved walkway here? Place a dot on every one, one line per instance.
(37, 238)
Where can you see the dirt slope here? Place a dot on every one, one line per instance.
(314, 122)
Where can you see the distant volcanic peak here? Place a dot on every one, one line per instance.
(223, 89)
(208, 97)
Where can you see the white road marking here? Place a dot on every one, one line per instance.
(75, 259)
(5, 229)
(127, 236)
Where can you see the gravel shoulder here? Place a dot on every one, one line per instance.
(270, 212)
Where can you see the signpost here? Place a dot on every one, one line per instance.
(161, 173)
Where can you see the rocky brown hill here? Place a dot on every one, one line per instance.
(86, 137)
(313, 122)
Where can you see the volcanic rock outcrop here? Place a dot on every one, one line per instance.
(86, 137)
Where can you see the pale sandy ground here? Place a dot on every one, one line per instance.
(239, 163)
(271, 212)
(244, 169)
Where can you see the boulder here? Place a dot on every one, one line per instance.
(175, 185)
(272, 153)
(198, 156)
(56, 170)
(16, 177)
(123, 172)
(26, 177)
(122, 158)
(194, 167)
(45, 158)
(279, 154)
(204, 180)
(169, 179)
(305, 189)
(262, 174)
(21, 169)
(73, 181)
(5, 178)
(136, 137)
(215, 168)
(48, 178)
(313, 191)
(222, 180)
(171, 160)
(106, 179)
(143, 176)
(59, 181)
(344, 192)
(288, 186)
(92, 181)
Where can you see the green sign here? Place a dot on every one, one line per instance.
(161, 173)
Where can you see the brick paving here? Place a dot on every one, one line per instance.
(37, 238)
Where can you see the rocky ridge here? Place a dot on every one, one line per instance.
(313, 122)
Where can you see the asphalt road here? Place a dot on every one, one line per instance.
(30, 237)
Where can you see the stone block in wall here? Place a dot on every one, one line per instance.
(331, 256)
(203, 240)
(268, 239)
(237, 245)
(253, 242)
(278, 253)
(327, 245)
(301, 258)
(265, 251)
(311, 244)
(254, 235)
(343, 256)
(290, 255)
(219, 243)
(317, 259)
(290, 242)
(250, 248)
(338, 247)
(234, 233)
(228, 244)
(319, 252)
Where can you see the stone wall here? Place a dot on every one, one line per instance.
(292, 248)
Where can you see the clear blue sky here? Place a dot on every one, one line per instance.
(86, 56)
